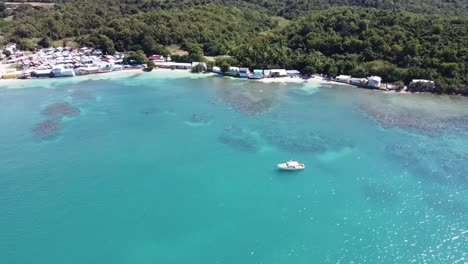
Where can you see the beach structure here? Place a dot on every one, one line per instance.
(11, 74)
(217, 70)
(294, 73)
(157, 58)
(233, 71)
(421, 81)
(421, 85)
(174, 65)
(244, 72)
(60, 71)
(374, 82)
(117, 67)
(44, 73)
(278, 73)
(358, 81)
(105, 68)
(343, 78)
(11, 47)
(257, 74)
(391, 87)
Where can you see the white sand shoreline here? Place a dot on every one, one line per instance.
(187, 73)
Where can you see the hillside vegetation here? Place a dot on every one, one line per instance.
(358, 37)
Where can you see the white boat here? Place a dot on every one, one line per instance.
(291, 165)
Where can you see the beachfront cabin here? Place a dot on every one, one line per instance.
(43, 73)
(233, 71)
(174, 65)
(11, 47)
(274, 73)
(257, 74)
(358, 81)
(12, 74)
(59, 71)
(244, 72)
(105, 68)
(97, 52)
(392, 87)
(294, 73)
(343, 78)
(157, 58)
(374, 82)
(217, 70)
(422, 81)
(117, 67)
(420, 85)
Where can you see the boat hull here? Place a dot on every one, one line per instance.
(283, 166)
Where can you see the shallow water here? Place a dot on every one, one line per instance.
(146, 172)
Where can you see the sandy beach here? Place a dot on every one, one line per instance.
(4, 67)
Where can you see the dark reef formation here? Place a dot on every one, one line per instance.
(302, 140)
(61, 109)
(249, 106)
(47, 129)
(447, 167)
(239, 139)
(305, 142)
(250, 102)
(415, 121)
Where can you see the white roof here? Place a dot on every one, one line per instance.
(375, 78)
(292, 163)
(421, 80)
(278, 70)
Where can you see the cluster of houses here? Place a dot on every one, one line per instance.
(257, 73)
(59, 62)
(375, 82)
(69, 62)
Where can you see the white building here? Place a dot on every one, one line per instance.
(244, 72)
(421, 81)
(358, 81)
(174, 65)
(343, 78)
(217, 69)
(374, 82)
(278, 73)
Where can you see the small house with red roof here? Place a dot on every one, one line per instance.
(157, 58)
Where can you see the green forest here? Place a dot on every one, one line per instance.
(397, 40)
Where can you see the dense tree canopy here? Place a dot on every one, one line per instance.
(358, 37)
(394, 45)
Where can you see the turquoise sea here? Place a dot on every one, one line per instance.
(141, 168)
